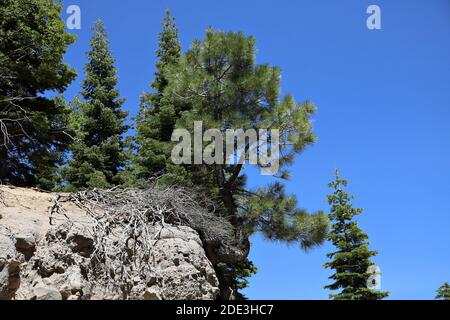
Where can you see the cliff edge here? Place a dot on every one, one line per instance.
(98, 245)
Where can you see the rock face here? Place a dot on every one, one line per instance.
(9, 264)
(39, 261)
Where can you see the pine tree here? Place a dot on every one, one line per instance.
(100, 153)
(33, 128)
(351, 261)
(157, 116)
(443, 293)
(219, 83)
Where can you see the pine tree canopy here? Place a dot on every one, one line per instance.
(34, 130)
(351, 261)
(99, 154)
(219, 83)
(443, 293)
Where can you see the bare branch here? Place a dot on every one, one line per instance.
(127, 223)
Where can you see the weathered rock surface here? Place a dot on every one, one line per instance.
(39, 261)
(9, 264)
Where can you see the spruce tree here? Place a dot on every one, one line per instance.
(443, 293)
(157, 117)
(100, 153)
(351, 261)
(33, 128)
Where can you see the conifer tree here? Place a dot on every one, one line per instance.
(100, 153)
(443, 293)
(219, 83)
(351, 261)
(33, 128)
(157, 117)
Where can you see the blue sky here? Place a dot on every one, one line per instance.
(383, 99)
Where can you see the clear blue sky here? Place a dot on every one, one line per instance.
(383, 101)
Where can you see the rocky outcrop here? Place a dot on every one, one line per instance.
(58, 261)
(9, 264)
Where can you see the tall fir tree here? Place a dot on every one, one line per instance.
(443, 293)
(99, 154)
(33, 128)
(351, 261)
(157, 117)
